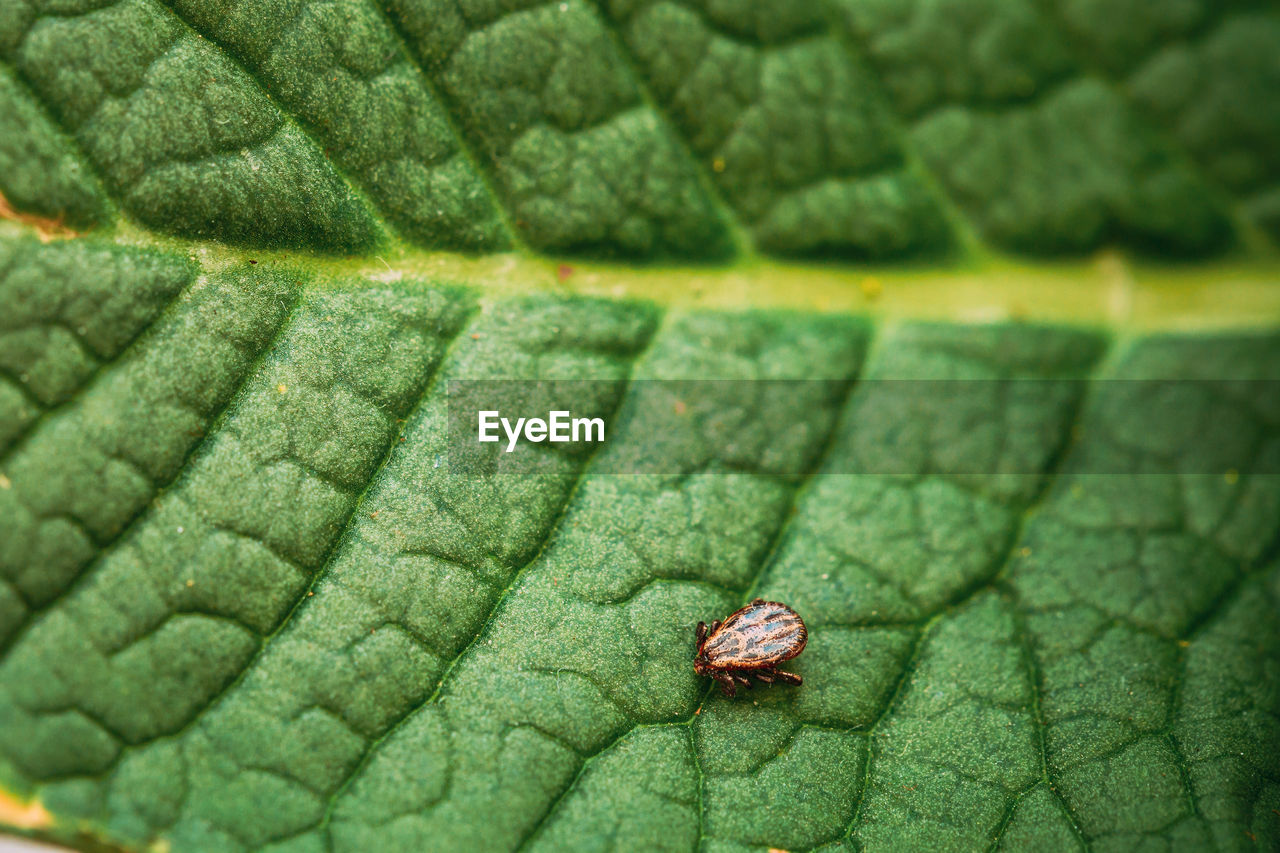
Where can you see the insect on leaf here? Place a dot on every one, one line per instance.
(954, 325)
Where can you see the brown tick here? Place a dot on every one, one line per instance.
(751, 642)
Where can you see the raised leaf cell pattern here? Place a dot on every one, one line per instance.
(1040, 154)
(373, 642)
(1157, 563)
(608, 592)
(179, 133)
(581, 162)
(168, 617)
(87, 470)
(40, 171)
(698, 129)
(1037, 598)
(791, 129)
(69, 310)
(1202, 72)
(338, 66)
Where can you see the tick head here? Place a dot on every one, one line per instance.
(700, 663)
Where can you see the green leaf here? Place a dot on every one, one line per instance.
(246, 604)
(1030, 514)
(693, 129)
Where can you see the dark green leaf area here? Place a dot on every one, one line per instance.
(178, 608)
(547, 101)
(71, 309)
(1202, 70)
(594, 636)
(699, 130)
(339, 67)
(41, 173)
(178, 132)
(87, 467)
(1130, 581)
(1040, 154)
(396, 597)
(250, 604)
(782, 116)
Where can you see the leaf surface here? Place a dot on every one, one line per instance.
(1023, 488)
(692, 129)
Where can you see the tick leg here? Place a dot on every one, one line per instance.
(726, 685)
(789, 677)
(702, 633)
(715, 626)
(765, 675)
(743, 680)
(757, 601)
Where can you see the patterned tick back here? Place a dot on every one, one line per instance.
(752, 641)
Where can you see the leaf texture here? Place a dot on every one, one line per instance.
(247, 604)
(657, 129)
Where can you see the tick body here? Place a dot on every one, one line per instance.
(750, 643)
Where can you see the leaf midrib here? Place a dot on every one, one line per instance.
(1109, 290)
